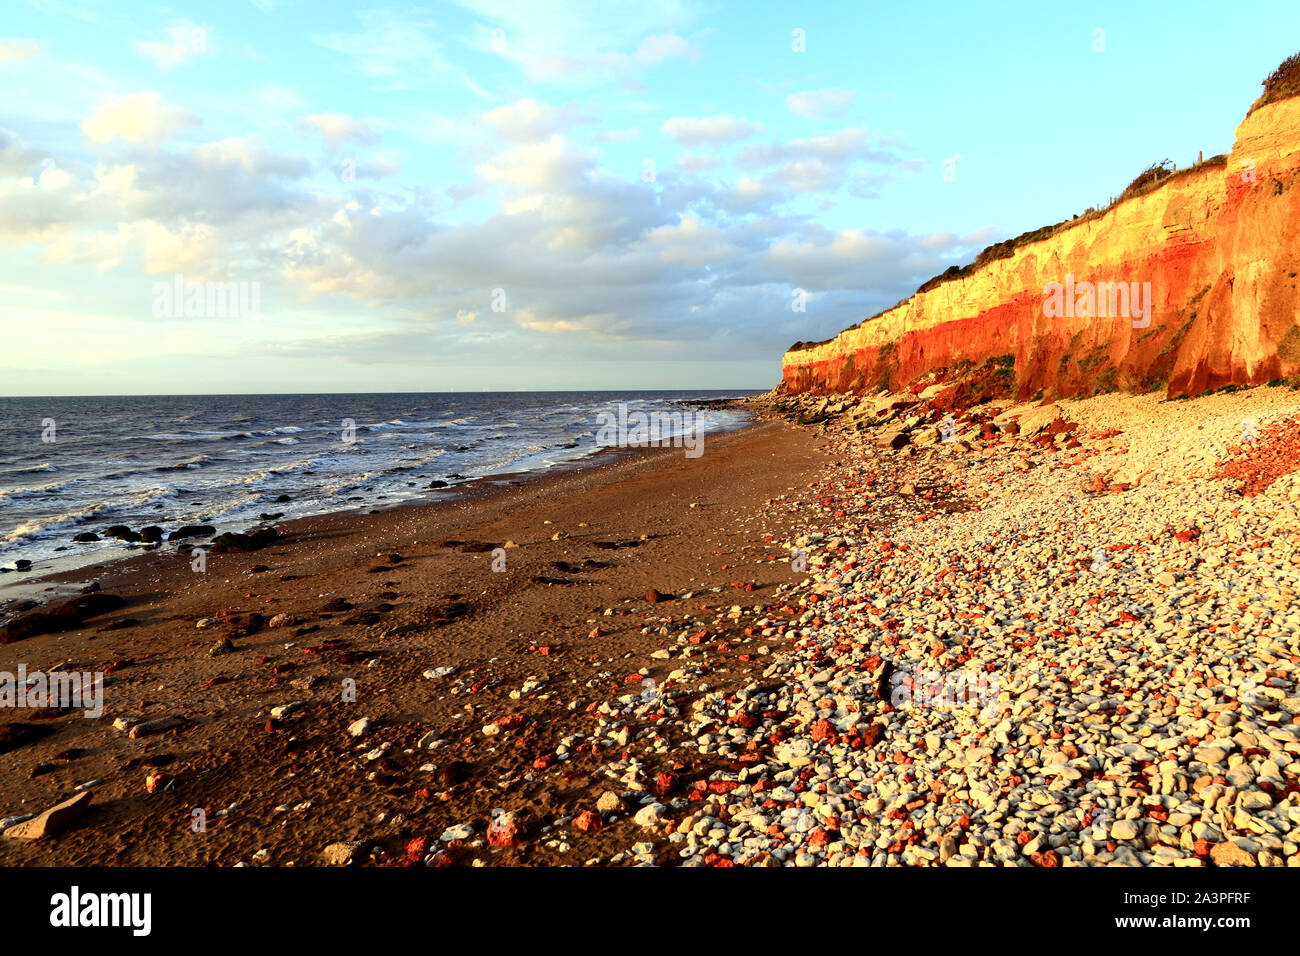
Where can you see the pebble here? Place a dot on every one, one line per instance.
(1050, 623)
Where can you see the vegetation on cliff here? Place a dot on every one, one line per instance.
(1282, 83)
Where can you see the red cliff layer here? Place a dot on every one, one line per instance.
(1218, 245)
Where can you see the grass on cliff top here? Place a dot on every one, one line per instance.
(1281, 84)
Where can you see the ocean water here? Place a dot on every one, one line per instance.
(223, 460)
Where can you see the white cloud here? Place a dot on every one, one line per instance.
(524, 121)
(15, 156)
(584, 44)
(708, 130)
(17, 51)
(654, 50)
(697, 162)
(807, 175)
(381, 167)
(838, 147)
(690, 243)
(136, 118)
(338, 128)
(185, 40)
(820, 104)
(536, 166)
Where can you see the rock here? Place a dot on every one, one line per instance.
(1211, 755)
(1125, 830)
(151, 535)
(64, 616)
(588, 822)
(438, 483)
(359, 728)
(1034, 420)
(224, 646)
(1223, 854)
(894, 438)
(434, 673)
(341, 854)
(86, 536)
(283, 620)
(192, 531)
(947, 849)
(609, 802)
(159, 725)
(794, 752)
(22, 564)
(285, 710)
(505, 829)
(650, 815)
(254, 540)
(461, 831)
(54, 820)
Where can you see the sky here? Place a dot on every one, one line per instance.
(517, 195)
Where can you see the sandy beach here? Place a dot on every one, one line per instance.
(381, 599)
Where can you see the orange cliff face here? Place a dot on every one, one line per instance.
(1214, 253)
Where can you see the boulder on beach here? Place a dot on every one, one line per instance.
(59, 617)
(192, 531)
(54, 820)
(229, 541)
(86, 536)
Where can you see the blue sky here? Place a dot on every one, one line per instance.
(503, 194)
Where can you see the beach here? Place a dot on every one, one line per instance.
(411, 590)
(866, 630)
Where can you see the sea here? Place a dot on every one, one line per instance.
(78, 464)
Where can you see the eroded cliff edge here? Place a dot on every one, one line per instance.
(1217, 243)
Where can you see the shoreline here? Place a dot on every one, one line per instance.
(57, 575)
